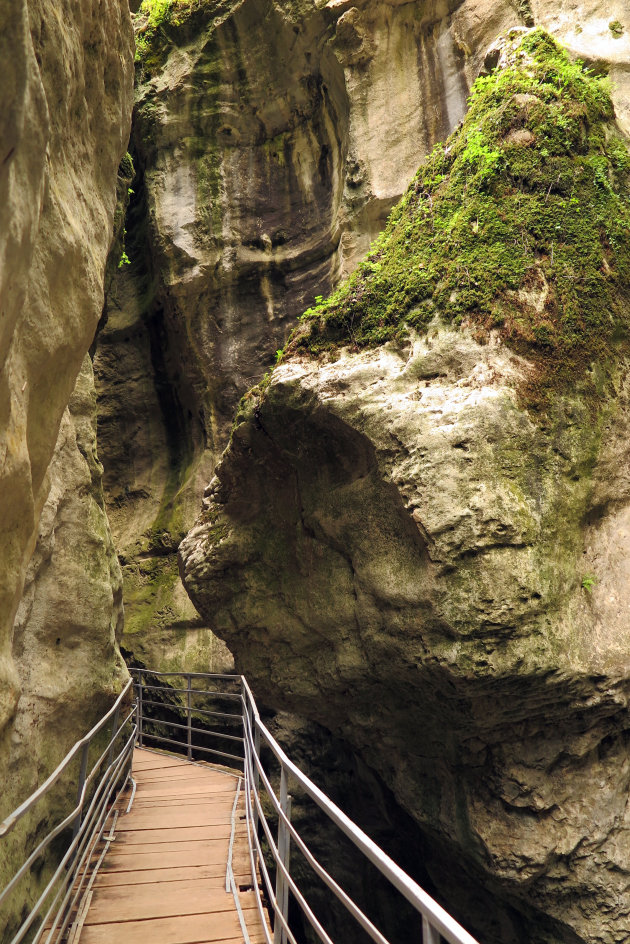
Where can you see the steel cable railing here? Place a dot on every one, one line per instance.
(97, 787)
(277, 892)
(271, 837)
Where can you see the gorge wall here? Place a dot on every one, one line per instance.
(270, 140)
(64, 124)
(417, 536)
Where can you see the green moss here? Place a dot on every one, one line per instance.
(162, 24)
(520, 222)
(117, 255)
(126, 168)
(616, 28)
(149, 587)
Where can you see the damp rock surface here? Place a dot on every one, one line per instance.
(64, 124)
(416, 538)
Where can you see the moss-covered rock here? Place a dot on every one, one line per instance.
(519, 223)
(259, 181)
(398, 547)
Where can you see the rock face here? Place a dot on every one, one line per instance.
(394, 549)
(422, 545)
(70, 617)
(64, 120)
(271, 141)
(65, 636)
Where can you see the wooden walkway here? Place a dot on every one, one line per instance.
(163, 879)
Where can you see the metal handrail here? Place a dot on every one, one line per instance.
(97, 789)
(437, 924)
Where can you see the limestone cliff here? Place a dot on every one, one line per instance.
(271, 141)
(70, 614)
(64, 121)
(66, 631)
(417, 540)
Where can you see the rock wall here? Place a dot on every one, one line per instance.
(66, 632)
(70, 616)
(382, 559)
(64, 122)
(271, 141)
(421, 545)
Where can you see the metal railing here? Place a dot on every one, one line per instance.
(273, 841)
(80, 829)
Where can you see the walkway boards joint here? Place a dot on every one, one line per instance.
(163, 879)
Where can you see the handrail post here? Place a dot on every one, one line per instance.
(256, 781)
(284, 842)
(189, 706)
(139, 703)
(429, 934)
(82, 777)
(110, 754)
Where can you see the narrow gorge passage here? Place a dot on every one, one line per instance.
(314, 326)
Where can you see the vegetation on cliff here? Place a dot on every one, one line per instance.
(160, 22)
(520, 223)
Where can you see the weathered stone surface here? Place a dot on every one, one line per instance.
(271, 141)
(152, 478)
(70, 615)
(65, 636)
(421, 545)
(65, 116)
(394, 549)
(584, 27)
(64, 121)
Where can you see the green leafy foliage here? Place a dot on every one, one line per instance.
(519, 223)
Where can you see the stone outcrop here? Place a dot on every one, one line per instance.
(271, 141)
(70, 617)
(421, 545)
(64, 122)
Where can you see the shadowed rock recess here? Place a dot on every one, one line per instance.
(417, 536)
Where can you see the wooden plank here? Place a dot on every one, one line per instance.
(174, 819)
(240, 867)
(170, 806)
(186, 771)
(145, 837)
(171, 843)
(201, 853)
(163, 900)
(223, 806)
(145, 760)
(181, 788)
(184, 929)
(157, 802)
(256, 937)
(163, 879)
